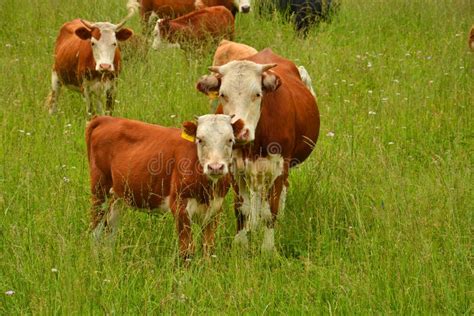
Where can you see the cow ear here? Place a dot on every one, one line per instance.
(238, 126)
(190, 128)
(270, 81)
(208, 83)
(83, 33)
(123, 34)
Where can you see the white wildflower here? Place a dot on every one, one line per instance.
(9, 292)
(330, 134)
(54, 270)
(372, 113)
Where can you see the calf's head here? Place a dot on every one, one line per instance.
(214, 136)
(241, 86)
(103, 37)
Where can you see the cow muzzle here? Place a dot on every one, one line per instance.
(245, 9)
(216, 169)
(106, 67)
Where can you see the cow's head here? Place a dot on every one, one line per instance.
(241, 86)
(103, 37)
(242, 5)
(214, 135)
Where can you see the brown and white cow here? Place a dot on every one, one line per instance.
(228, 51)
(211, 23)
(176, 8)
(153, 167)
(281, 127)
(87, 59)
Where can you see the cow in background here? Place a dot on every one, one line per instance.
(87, 59)
(153, 167)
(305, 13)
(212, 23)
(281, 127)
(471, 38)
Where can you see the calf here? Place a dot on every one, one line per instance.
(151, 167)
(209, 23)
(176, 8)
(87, 59)
(281, 127)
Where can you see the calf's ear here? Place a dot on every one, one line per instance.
(190, 128)
(83, 33)
(208, 83)
(270, 81)
(237, 127)
(123, 34)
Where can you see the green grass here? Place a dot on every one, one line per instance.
(378, 220)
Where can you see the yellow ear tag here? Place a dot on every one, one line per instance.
(188, 137)
(213, 95)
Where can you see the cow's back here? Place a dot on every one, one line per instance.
(290, 116)
(228, 51)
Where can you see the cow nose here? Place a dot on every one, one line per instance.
(216, 168)
(245, 8)
(106, 67)
(244, 135)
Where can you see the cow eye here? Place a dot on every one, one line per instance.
(258, 95)
(231, 140)
(222, 95)
(92, 43)
(114, 44)
(199, 141)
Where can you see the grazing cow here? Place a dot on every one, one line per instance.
(305, 12)
(176, 8)
(281, 127)
(151, 167)
(87, 59)
(471, 38)
(209, 23)
(228, 51)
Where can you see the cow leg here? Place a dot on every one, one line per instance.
(100, 187)
(51, 100)
(241, 207)
(110, 95)
(209, 231)
(183, 227)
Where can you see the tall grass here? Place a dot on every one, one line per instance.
(378, 220)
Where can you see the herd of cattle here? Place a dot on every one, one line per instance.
(266, 121)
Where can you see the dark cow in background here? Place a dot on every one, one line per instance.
(281, 127)
(87, 59)
(305, 12)
(471, 38)
(153, 167)
(212, 23)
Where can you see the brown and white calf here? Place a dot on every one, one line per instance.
(212, 23)
(281, 127)
(176, 8)
(87, 59)
(153, 167)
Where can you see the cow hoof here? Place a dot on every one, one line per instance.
(241, 239)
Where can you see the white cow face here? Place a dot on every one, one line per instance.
(241, 86)
(242, 5)
(103, 37)
(215, 136)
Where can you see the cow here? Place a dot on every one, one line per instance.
(281, 127)
(228, 51)
(471, 38)
(305, 12)
(212, 23)
(87, 59)
(151, 167)
(176, 8)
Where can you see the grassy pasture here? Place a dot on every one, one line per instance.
(378, 220)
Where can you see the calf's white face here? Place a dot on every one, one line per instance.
(214, 136)
(241, 85)
(103, 37)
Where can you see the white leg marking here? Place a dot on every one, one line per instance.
(281, 206)
(268, 244)
(53, 95)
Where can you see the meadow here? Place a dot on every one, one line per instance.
(378, 221)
